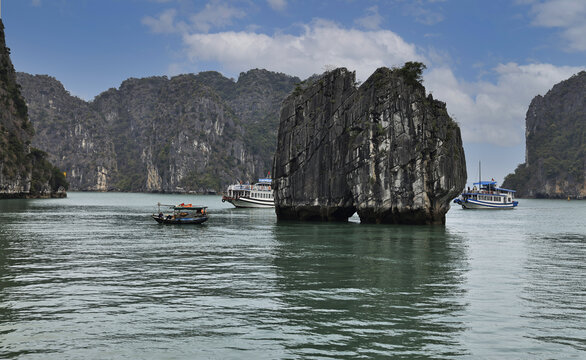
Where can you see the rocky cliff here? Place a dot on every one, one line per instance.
(384, 150)
(24, 171)
(555, 155)
(187, 133)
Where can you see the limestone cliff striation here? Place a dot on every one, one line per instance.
(384, 150)
(185, 133)
(75, 136)
(24, 171)
(555, 155)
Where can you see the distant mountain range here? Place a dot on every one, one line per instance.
(188, 133)
(200, 132)
(555, 157)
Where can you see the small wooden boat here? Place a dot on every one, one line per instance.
(182, 214)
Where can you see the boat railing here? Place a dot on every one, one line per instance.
(249, 187)
(240, 187)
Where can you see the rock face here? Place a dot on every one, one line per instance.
(384, 150)
(74, 135)
(24, 171)
(188, 133)
(555, 155)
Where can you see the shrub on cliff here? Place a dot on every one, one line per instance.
(412, 72)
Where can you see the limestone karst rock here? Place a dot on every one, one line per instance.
(24, 170)
(555, 155)
(191, 132)
(383, 149)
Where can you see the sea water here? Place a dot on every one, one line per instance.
(92, 276)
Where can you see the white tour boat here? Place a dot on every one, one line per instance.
(258, 195)
(487, 196)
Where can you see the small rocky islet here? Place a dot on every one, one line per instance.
(384, 150)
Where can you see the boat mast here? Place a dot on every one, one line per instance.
(479, 175)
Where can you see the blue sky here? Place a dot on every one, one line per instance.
(485, 59)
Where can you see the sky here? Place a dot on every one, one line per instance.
(486, 59)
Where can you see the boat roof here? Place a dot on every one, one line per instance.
(507, 190)
(195, 207)
(184, 206)
(485, 183)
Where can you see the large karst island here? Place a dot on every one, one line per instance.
(24, 170)
(384, 150)
(555, 155)
(189, 133)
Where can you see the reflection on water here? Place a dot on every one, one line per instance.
(366, 291)
(555, 290)
(92, 276)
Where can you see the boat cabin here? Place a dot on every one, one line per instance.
(260, 190)
(486, 194)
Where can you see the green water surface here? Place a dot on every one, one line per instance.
(93, 277)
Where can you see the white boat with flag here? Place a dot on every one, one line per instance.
(258, 195)
(486, 195)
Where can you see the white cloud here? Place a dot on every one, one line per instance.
(569, 15)
(216, 14)
(495, 112)
(371, 20)
(320, 43)
(36, 3)
(278, 5)
(423, 12)
(490, 112)
(165, 23)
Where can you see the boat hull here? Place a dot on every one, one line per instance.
(246, 202)
(180, 221)
(475, 204)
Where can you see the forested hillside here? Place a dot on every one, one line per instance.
(193, 132)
